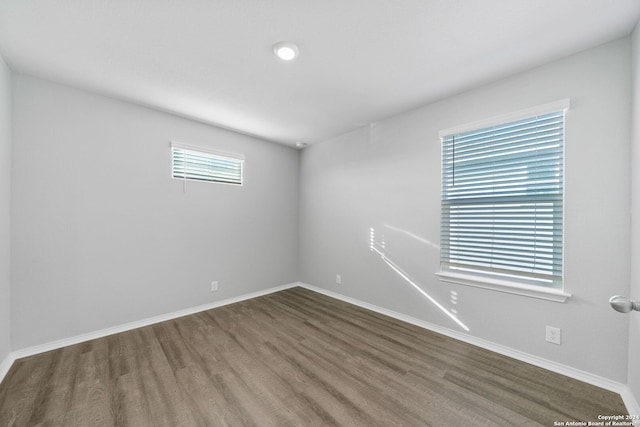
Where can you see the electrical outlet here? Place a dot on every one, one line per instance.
(214, 286)
(554, 335)
(338, 279)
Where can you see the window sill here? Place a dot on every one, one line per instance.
(548, 294)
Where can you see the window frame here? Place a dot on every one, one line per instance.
(214, 154)
(556, 294)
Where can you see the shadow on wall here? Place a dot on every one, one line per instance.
(377, 245)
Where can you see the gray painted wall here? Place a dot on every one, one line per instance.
(5, 210)
(102, 235)
(634, 318)
(383, 182)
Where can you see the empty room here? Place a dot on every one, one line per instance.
(316, 213)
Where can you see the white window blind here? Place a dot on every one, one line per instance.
(201, 164)
(502, 201)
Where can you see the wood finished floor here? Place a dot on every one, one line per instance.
(295, 358)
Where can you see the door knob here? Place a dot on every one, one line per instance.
(623, 304)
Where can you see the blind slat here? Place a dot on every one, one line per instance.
(203, 166)
(502, 200)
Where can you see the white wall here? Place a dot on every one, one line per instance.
(5, 210)
(634, 333)
(102, 235)
(387, 178)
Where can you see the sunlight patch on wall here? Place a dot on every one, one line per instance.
(379, 248)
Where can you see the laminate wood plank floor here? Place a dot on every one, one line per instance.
(292, 358)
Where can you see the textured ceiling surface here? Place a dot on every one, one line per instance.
(360, 60)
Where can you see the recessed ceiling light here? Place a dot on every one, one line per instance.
(286, 51)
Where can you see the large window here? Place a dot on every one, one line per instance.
(502, 200)
(202, 164)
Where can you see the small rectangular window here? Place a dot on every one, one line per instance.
(202, 164)
(502, 200)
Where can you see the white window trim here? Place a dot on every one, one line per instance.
(549, 294)
(540, 292)
(562, 104)
(207, 150)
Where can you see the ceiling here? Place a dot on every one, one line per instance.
(360, 60)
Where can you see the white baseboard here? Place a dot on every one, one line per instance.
(589, 378)
(6, 365)
(631, 403)
(30, 351)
